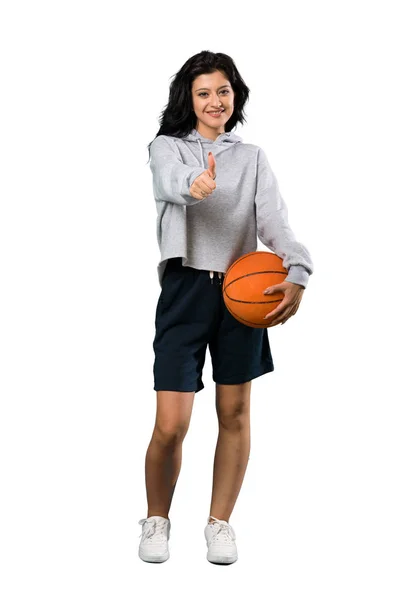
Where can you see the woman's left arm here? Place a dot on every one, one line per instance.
(274, 231)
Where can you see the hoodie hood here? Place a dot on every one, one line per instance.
(224, 141)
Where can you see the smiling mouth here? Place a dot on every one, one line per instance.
(215, 113)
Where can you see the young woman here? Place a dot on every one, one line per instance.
(214, 195)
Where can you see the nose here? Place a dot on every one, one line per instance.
(216, 103)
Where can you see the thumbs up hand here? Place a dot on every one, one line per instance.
(204, 184)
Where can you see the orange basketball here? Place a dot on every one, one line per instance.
(244, 285)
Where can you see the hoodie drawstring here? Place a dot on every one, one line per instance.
(201, 154)
(219, 277)
(202, 163)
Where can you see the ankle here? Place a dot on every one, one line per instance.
(211, 519)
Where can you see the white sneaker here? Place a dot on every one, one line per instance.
(221, 544)
(155, 535)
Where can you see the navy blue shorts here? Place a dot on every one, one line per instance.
(190, 314)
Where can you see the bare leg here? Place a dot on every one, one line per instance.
(233, 447)
(164, 454)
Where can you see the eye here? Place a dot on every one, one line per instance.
(201, 93)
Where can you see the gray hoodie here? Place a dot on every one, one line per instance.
(212, 233)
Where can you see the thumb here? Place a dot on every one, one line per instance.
(272, 289)
(212, 165)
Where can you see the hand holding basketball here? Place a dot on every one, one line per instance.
(204, 184)
(256, 292)
(293, 294)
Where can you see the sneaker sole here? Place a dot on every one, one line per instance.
(154, 559)
(222, 560)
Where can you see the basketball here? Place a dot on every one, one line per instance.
(244, 285)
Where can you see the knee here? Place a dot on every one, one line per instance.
(234, 421)
(169, 433)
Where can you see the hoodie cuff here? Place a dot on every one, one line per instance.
(187, 182)
(298, 274)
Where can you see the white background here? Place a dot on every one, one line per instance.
(83, 84)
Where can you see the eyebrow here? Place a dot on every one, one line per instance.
(222, 86)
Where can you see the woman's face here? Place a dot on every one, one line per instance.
(212, 92)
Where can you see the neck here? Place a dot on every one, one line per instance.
(209, 132)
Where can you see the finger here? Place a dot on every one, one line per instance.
(205, 183)
(290, 312)
(288, 316)
(295, 308)
(212, 165)
(276, 310)
(198, 193)
(272, 291)
(209, 180)
(280, 319)
(201, 193)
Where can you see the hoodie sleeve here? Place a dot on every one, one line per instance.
(171, 177)
(273, 228)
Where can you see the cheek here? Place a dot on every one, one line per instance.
(198, 106)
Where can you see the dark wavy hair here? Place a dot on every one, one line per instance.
(178, 118)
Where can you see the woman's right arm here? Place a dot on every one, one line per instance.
(171, 178)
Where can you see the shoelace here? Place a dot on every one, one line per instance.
(153, 530)
(222, 531)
